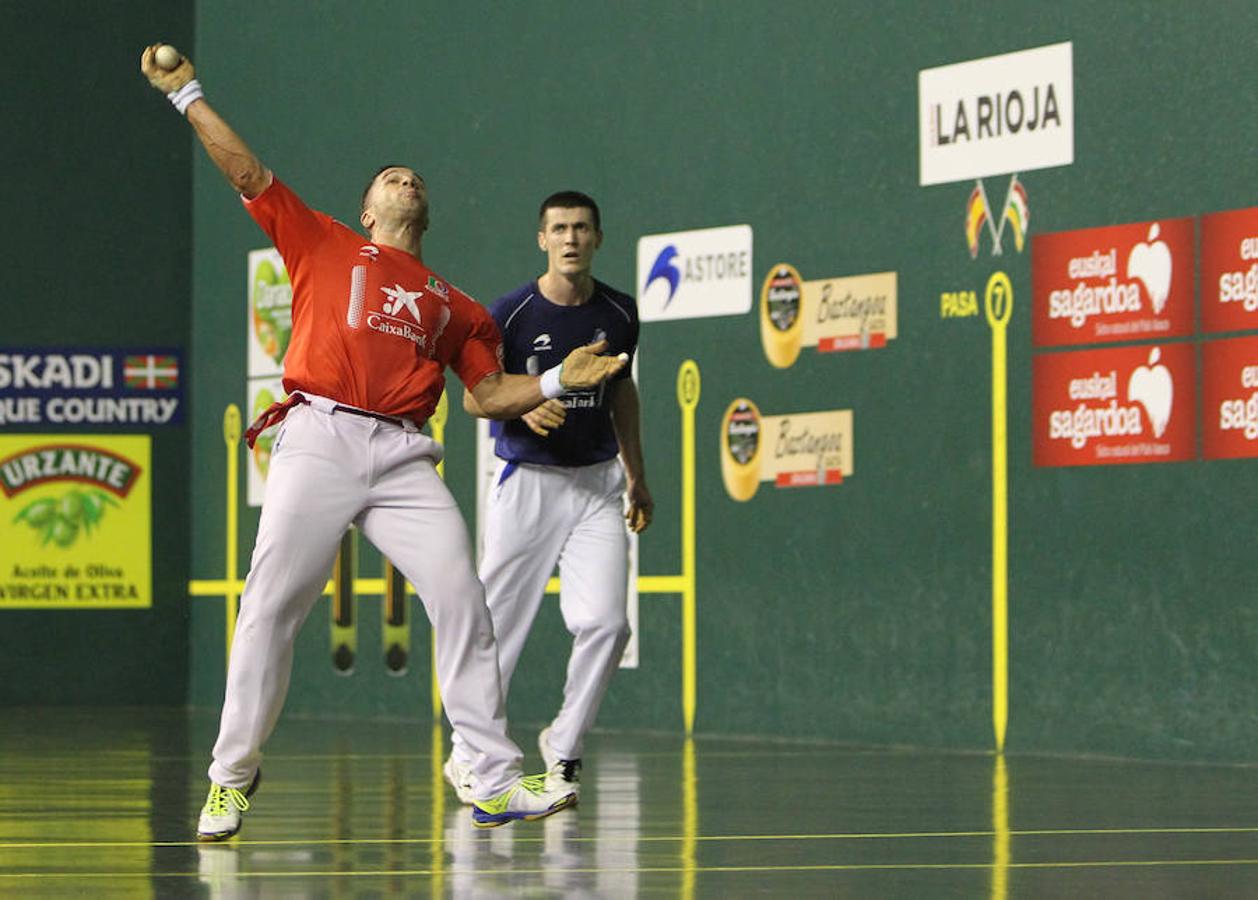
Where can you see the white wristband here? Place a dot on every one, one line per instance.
(551, 386)
(184, 97)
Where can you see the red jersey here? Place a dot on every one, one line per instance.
(373, 327)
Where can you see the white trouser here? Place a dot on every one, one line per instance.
(328, 470)
(538, 516)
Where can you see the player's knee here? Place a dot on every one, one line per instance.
(609, 628)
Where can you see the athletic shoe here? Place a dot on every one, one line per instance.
(459, 777)
(560, 773)
(220, 817)
(528, 799)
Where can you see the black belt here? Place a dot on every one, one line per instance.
(368, 414)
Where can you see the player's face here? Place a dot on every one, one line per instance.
(569, 240)
(399, 195)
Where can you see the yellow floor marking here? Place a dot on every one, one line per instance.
(651, 839)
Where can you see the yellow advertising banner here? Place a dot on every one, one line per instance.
(855, 312)
(75, 521)
(799, 450)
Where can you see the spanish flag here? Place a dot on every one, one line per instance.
(975, 216)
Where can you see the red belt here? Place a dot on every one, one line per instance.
(275, 413)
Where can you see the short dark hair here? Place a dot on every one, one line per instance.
(362, 204)
(569, 200)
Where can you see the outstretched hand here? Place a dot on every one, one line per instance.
(165, 81)
(584, 368)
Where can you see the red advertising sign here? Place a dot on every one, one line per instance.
(1229, 270)
(1116, 405)
(1118, 283)
(1229, 398)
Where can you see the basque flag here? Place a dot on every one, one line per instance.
(151, 372)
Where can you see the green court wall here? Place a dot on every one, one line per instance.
(95, 246)
(858, 612)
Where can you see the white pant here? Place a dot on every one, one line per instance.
(540, 516)
(327, 471)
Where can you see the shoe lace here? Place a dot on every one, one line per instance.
(222, 798)
(534, 784)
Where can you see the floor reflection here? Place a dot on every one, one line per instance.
(104, 803)
(589, 851)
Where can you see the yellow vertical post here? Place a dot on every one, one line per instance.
(688, 399)
(689, 817)
(231, 437)
(437, 812)
(998, 301)
(438, 422)
(1000, 830)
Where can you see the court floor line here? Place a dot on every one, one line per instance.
(643, 839)
(649, 870)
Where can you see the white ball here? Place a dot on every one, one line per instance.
(167, 57)
(623, 357)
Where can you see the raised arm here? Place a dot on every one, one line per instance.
(235, 160)
(504, 396)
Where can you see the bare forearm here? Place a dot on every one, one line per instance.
(626, 411)
(471, 407)
(228, 151)
(504, 396)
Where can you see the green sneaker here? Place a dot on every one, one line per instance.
(528, 799)
(220, 817)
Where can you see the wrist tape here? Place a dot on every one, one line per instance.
(551, 386)
(184, 97)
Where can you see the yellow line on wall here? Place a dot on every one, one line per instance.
(998, 301)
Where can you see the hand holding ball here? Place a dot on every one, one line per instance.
(623, 357)
(167, 57)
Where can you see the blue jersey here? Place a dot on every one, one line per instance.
(538, 334)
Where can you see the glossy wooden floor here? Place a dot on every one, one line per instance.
(103, 803)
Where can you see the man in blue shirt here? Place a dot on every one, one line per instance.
(564, 473)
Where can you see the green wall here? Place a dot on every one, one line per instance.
(859, 612)
(97, 238)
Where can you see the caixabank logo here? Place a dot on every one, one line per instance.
(75, 521)
(1114, 405)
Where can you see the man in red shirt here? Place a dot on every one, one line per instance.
(373, 330)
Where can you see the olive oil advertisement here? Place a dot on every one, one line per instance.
(75, 521)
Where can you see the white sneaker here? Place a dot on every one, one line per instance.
(223, 810)
(561, 774)
(459, 777)
(529, 798)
